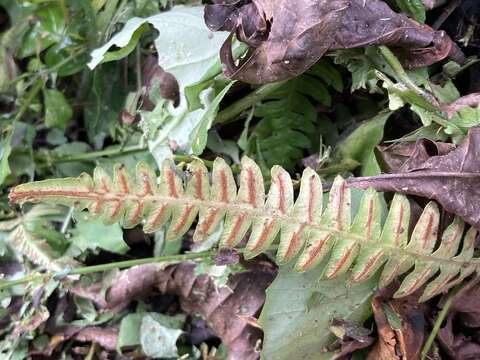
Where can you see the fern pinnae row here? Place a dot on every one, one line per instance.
(307, 231)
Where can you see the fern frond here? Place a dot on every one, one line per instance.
(29, 244)
(306, 230)
(288, 118)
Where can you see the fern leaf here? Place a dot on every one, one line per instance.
(288, 118)
(360, 243)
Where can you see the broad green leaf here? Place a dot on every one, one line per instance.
(360, 144)
(57, 109)
(223, 147)
(128, 48)
(198, 137)
(299, 309)
(184, 131)
(48, 28)
(73, 168)
(57, 55)
(186, 47)
(94, 234)
(5, 150)
(157, 340)
(464, 119)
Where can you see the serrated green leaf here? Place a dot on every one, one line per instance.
(131, 200)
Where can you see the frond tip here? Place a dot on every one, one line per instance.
(306, 231)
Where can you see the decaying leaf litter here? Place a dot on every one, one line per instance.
(383, 94)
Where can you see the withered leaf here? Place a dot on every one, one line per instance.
(405, 339)
(154, 75)
(227, 309)
(452, 179)
(288, 37)
(105, 337)
(394, 157)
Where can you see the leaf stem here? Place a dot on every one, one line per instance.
(96, 154)
(93, 155)
(402, 75)
(439, 321)
(28, 100)
(110, 266)
(138, 65)
(230, 113)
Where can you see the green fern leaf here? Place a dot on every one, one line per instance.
(308, 233)
(288, 118)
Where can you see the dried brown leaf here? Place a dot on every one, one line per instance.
(288, 37)
(228, 311)
(154, 75)
(132, 284)
(404, 342)
(450, 179)
(394, 157)
(105, 337)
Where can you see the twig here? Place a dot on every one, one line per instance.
(109, 266)
(449, 9)
(94, 155)
(138, 67)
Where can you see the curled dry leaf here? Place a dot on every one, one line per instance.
(450, 179)
(155, 76)
(131, 284)
(229, 310)
(105, 337)
(400, 324)
(288, 37)
(394, 157)
(127, 285)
